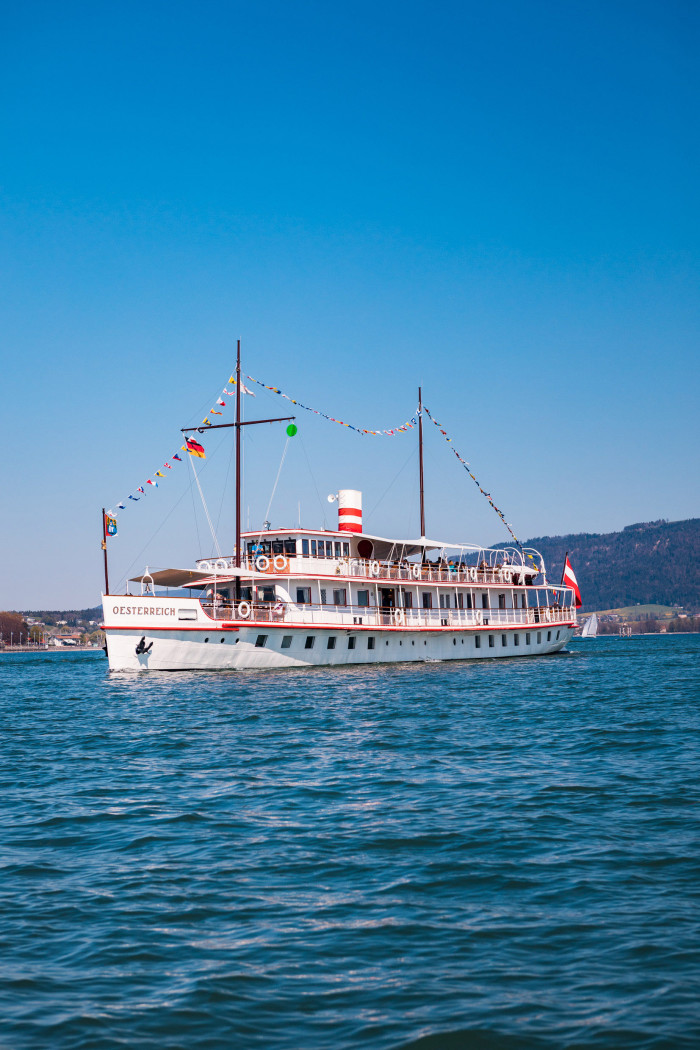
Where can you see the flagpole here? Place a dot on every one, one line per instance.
(238, 467)
(420, 462)
(104, 549)
(563, 569)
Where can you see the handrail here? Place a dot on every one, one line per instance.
(345, 617)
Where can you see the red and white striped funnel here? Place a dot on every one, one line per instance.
(349, 510)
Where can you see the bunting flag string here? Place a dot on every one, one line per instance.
(218, 410)
(408, 425)
(487, 495)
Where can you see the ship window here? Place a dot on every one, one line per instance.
(454, 641)
(370, 643)
(527, 639)
(539, 637)
(427, 600)
(501, 601)
(407, 600)
(277, 547)
(268, 594)
(557, 635)
(329, 548)
(484, 601)
(313, 548)
(504, 639)
(516, 639)
(460, 600)
(323, 596)
(305, 548)
(309, 643)
(330, 643)
(337, 549)
(290, 546)
(363, 598)
(286, 642)
(477, 641)
(469, 601)
(351, 643)
(444, 601)
(492, 641)
(340, 596)
(346, 550)
(260, 641)
(303, 595)
(549, 636)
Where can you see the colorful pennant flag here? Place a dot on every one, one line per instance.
(194, 448)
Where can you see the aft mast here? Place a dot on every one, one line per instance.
(420, 463)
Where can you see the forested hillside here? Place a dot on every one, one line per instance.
(651, 562)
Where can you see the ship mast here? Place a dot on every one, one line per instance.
(238, 425)
(420, 463)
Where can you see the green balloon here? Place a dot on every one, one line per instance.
(291, 430)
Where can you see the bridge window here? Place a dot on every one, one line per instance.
(305, 548)
(337, 550)
(346, 550)
(290, 547)
(329, 548)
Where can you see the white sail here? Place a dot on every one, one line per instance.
(590, 627)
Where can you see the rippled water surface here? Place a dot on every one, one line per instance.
(502, 854)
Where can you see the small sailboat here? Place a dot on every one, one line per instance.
(590, 627)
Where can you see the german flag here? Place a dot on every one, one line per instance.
(194, 448)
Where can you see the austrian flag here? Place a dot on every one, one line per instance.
(568, 579)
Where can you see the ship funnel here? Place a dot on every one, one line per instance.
(349, 510)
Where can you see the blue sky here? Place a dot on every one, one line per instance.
(496, 201)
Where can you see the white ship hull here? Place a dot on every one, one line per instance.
(267, 646)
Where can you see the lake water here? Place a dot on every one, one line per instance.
(494, 855)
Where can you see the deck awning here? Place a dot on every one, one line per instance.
(194, 577)
(385, 548)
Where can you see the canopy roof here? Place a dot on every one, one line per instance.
(195, 578)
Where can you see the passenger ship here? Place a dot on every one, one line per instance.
(308, 598)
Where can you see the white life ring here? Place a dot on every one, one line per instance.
(220, 565)
(205, 566)
(507, 574)
(374, 568)
(478, 616)
(399, 616)
(243, 610)
(415, 569)
(259, 563)
(472, 573)
(280, 563)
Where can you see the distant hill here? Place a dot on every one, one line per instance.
(653, 562)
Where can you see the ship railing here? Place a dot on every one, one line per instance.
(348, 616)
(406, 572)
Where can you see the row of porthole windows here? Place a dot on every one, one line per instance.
(310, 641)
